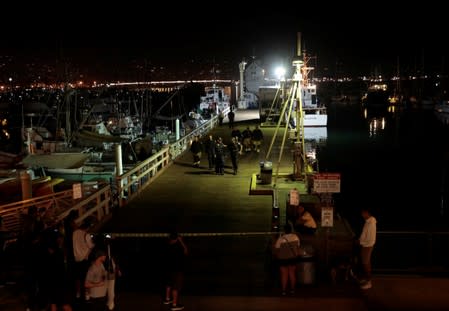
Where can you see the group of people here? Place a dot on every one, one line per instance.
(65, 265)
(251, 140)
(287, 252)
(216, 150)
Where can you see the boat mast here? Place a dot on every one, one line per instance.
(300, 79)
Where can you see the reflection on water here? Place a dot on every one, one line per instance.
(393, 159)
(376, 125)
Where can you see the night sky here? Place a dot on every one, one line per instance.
(109, 35)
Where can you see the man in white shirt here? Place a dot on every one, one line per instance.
(367, 240)
(82, 246)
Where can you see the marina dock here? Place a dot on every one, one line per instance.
(228, 235)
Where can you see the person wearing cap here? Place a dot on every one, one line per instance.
(96, 281)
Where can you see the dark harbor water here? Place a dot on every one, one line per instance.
(394, 160)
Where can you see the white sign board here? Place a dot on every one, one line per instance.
(77, 191)
(294, 197)
(327, 217)
(326, 183)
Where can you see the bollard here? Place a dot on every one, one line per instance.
(27, 189)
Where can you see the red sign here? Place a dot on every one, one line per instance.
(327, 176)
(326, 183)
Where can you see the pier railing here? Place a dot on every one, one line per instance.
(177, 148)
(131, 183)
(57, 206)
(411, 252)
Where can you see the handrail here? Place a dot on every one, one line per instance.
(101, 207)
(36, 200)
(57, 206)
(131, 183)
(177, 148)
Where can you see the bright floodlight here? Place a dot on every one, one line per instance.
(280, 72)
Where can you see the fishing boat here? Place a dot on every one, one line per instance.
(215, 100)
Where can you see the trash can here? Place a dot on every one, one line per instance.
(266, 172)
(306, 269)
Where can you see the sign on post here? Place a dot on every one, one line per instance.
(77, 191)
(327, 217)
(326, 183)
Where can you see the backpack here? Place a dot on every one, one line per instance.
(289, 250)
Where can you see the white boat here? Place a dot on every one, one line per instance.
(215, 100)
(315, 117)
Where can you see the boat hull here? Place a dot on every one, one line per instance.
(315, 120)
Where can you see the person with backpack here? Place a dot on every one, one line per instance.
(286, 250)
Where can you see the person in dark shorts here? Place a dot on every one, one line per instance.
(219, 156)
(286, 250)
(235, 148)
(175, 261)
(231, 117)
(210, 150)
(56, 283)
(196, 148)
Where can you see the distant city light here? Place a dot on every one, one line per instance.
(10, 79)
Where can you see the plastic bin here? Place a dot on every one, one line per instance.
(306, 270)
(266, 172)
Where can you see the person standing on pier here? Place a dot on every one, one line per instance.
(82, 247)
(235, 148)
(175, 262)
(257, 137)
(367, 240)
(231, 116)
(195, 148)
(220, 117)
(247, 139)
(219, 156)
(210, 149)
(236, 133)
(286, 249)
(96, 282)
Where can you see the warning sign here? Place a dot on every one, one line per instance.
(326, 183)
(327, 217)
(77, 191)
(294, 197)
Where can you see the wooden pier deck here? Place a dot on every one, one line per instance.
(195, 200)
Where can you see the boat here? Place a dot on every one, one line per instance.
(442, 108)
(314, 113)
(70, 166)
(216, 100)
(377, 95)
